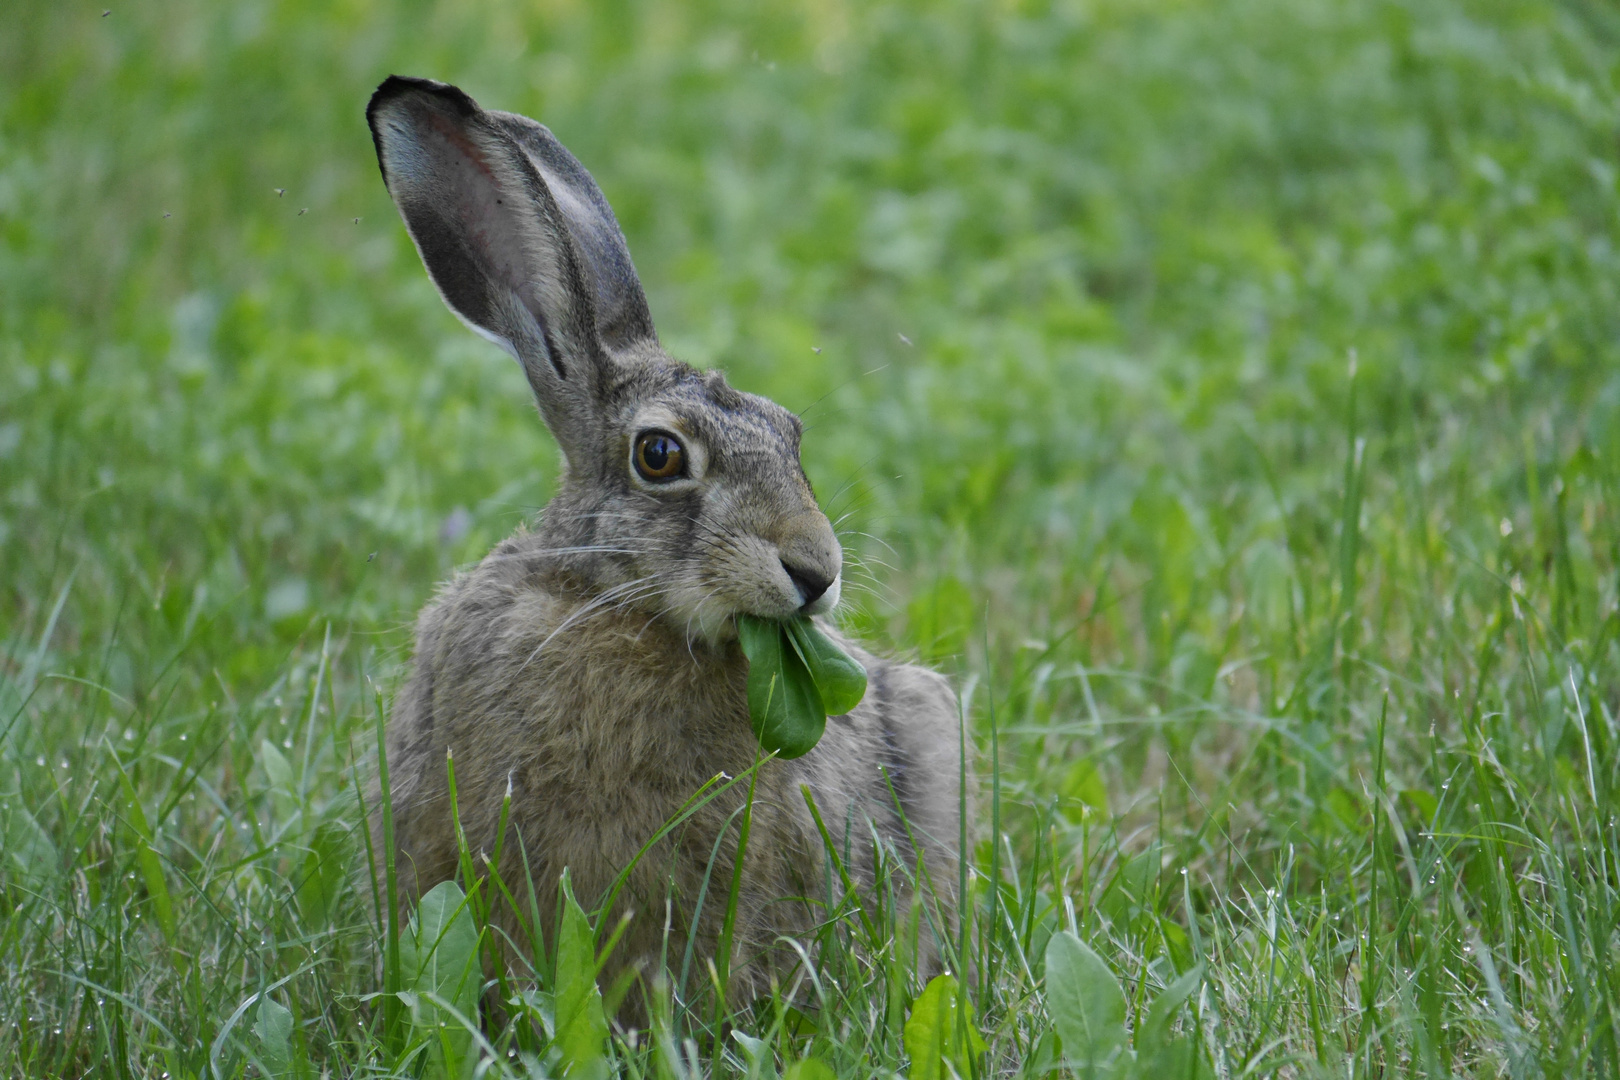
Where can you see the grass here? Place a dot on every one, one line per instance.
(1227, 395)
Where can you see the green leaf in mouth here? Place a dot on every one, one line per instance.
(837, 675)
(796, 676)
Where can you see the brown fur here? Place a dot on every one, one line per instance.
(591, 668)
(607, 731)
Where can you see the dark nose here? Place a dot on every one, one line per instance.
(809, 583)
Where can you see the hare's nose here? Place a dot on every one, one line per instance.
(810, 583)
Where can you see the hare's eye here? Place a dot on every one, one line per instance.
(658, 456)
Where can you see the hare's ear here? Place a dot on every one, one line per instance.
(517, 238)
(622, 317)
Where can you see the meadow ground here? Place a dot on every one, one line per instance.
(1228, 395)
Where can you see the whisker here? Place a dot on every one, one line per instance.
(692, 615)
(869, 536)
(850, 481)
(583, 549)
(605, 598)
(847, 382)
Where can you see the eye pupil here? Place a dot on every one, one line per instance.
(658, 457)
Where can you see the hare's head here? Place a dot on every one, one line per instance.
(682, 496)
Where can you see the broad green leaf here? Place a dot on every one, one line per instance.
(1084, 999)
(439, 956)
(1180, 1059)
(581, 1025)
(839, 678)
(1155, 1029)
(796, 677)
(783, 704)
(810, 1069)
(761, 1058)
(940, 1029)
(274, 1026)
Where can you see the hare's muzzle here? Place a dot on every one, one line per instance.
(811, 560)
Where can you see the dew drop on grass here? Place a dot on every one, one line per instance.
(286, 744)
(40, 761)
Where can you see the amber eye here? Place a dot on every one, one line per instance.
(658, 456)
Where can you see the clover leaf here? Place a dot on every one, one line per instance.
(796, 676)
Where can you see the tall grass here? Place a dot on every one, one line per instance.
(1225, 394)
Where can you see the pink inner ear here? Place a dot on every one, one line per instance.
(458, 138)
(515, 256)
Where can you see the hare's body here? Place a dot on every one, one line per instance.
(605, 729)
(592, 668)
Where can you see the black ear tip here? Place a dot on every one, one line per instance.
(395, 87)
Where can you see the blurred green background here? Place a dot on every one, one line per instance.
(1200, 381)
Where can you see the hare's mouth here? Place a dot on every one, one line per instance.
(828, 599)
(708, 613)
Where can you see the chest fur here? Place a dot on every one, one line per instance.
(586, 703)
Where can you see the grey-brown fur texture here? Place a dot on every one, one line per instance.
(591, 666)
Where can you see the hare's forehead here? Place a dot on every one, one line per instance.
(727, 421)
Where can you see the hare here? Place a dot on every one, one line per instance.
(589, 666)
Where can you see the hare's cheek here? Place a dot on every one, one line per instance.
(745, 573)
